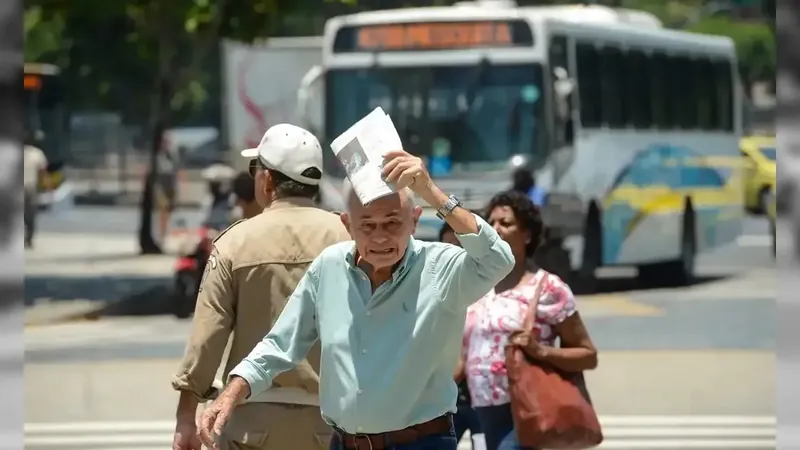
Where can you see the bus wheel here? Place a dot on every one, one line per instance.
(554, 258)
(586, 277)
(680, 272)
(773, 228)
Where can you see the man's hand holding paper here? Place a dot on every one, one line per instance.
(360, 149)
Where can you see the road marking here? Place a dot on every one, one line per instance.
(754, 240)
(621, 432)
(616, 305)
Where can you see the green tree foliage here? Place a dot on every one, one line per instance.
(43, 36)
(755, 46)
(145, 55)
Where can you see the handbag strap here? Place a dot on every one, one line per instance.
(530, 316)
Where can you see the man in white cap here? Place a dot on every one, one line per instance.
(253, 268)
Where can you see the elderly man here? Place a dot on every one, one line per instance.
(253, 268)
(389, 312)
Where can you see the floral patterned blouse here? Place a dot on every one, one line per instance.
(491, 320)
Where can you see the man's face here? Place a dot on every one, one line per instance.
(382, 229)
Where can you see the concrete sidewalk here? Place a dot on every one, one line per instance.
(70, 275)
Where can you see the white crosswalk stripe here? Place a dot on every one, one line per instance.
(754, 240)
(621, 432)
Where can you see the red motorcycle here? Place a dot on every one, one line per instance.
(189, 267)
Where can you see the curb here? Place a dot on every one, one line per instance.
(621, 432)
(151, 301)
(119, 200)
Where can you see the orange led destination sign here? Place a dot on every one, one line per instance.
(441, 36)
(32, 82)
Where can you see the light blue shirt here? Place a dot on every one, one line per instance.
(387, 357)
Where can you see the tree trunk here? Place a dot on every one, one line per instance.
(147, 243)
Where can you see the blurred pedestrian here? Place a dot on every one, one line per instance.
(388, 311)
(550, 254)
(166, 187)
(254, 266)
(218, 177)
(525, 182)
(492, 320)
(244, 194)
(35, 177)
(465, 417)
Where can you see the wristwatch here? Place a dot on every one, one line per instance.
(452, 203)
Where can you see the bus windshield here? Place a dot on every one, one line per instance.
(475, 117)
(44, 112)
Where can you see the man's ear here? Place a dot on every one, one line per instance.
(345, 218)
(416, 214)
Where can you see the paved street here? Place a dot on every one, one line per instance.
(665, 378)
(673, 362)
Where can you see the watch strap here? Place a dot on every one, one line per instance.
(448, 207)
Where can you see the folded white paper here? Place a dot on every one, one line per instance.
(360, 149)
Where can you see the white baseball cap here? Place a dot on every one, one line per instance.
(290, 150)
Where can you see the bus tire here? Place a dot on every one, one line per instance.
(773, 231)
(680, 272)
(764, 198)
(586, 276)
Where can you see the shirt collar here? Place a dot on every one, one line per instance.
(291, 202)
(402, 266)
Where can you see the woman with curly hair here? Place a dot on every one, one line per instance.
(492, 319)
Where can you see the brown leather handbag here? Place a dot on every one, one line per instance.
(551, 408)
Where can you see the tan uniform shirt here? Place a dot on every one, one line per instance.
(254, 267)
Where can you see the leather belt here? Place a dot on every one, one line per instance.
(381, 441)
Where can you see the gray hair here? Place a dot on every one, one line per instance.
(348, 193)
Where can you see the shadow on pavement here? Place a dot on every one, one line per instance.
(154, 301)
(608, 285)
(103, 289)
(93, 259)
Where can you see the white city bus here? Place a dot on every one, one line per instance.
(631, 128)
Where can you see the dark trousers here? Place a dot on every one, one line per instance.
(30, 209)
(466, 419)
(445, 441)
(498, 428)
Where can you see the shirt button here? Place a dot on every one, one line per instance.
(363, 351)
(368, 313)
(359, 429)
(359, 392)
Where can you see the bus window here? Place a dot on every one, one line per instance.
(44, 111)
(684, 90)
(723, 81)
(706, 101)
(663, 106)
(613, 79)
(500, 116)
(589, 89)
(638, 91)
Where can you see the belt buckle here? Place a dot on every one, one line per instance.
(363, 436)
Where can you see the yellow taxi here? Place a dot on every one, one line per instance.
(760, 159)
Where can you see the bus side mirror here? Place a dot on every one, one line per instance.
(311, 99)
(563, 86)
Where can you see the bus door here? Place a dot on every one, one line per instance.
(563, 212)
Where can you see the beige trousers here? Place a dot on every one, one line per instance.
(276, 426)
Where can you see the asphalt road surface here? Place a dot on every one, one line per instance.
(679, 369)
(683, 368)
(751, 249)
